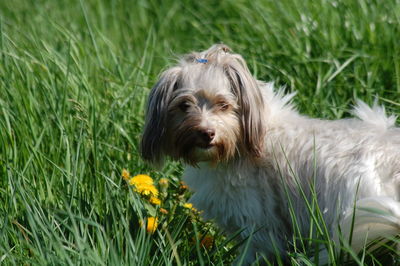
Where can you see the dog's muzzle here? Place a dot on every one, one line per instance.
(205, 137)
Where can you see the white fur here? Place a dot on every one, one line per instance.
(350, 155)
(276, 159)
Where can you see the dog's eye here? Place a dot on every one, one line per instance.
(222, 106)
(184, 106)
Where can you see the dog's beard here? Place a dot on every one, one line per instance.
(192, 150)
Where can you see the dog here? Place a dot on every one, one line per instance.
(255, 164)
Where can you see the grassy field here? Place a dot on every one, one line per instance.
(74, 77)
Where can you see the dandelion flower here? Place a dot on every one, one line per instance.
(188, 205)
(155, 200)
(152, 223)
(125, 174)
(144, 185)
(163, 182)
(141, 179)
(146, 190)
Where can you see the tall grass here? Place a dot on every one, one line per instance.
(74, 77)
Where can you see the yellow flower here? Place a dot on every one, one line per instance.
(188, 205)
(163, 182)
(155, 200)
(146, 190)
(125, 174)
(141, 179)
(144, 185)
(151, 224)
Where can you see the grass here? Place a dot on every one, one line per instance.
(74, 77)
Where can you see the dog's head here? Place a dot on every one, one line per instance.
(207, 108)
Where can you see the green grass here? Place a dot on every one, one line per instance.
(74, 77)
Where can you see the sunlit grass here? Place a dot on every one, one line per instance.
(74, 78)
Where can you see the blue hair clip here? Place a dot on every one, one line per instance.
(202, 60)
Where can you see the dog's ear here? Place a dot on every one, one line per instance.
(251, 103)
(153, 139)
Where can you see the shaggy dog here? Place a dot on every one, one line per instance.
(255, 164)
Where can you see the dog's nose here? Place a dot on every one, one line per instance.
(207, 134)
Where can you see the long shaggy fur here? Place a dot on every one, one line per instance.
(251, 157)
